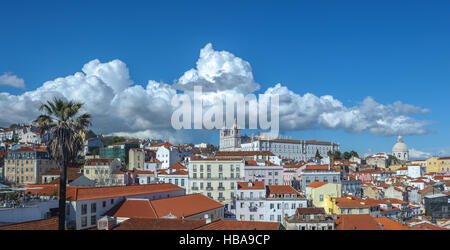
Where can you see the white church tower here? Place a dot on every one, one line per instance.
(230, 139)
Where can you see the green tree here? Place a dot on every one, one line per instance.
(354, 153)
(118, 139)
(337, 155)
(318, 154)
(60, 118)
(347, 155)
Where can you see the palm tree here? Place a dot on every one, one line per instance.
(59, 118)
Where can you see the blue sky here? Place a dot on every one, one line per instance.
(391, 51)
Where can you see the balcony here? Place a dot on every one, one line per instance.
(221, 199)
(194, 188)
(221, 188)
(209, 188)
(252, 209)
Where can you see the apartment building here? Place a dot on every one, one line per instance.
(263, 170)
(26, 165)
(86, 205)
(258, 202)
(101, 171)
(216, 178)
(319, 173)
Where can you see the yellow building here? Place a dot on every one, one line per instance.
(100, 170)
(350, 205)
(317, 191)
(438, 164)
(216, 178)
(26, 165)
(396, 167)
(136, 159)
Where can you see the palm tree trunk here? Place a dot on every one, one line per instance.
(62, 197)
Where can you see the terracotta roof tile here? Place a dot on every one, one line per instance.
(240, 225)
(44, 224)
(160, 224)
(356, 222)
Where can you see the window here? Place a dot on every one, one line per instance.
(321, 197)
(112, 201)
(83, 208)
(93, 220)
(94, 208)
(104, 203)
(84, 221)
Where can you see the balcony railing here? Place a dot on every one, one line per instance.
(221, 188)
(253, 209)
(194, 188)
(209, 188)
(221, 198)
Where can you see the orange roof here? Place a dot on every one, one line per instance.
(317, 184)
(255, 185)
(41, 149)
(88, 193)
(179, 206)
(133, 208)
(186, 205)
(56, 171)
(390, 224)
(177, 165)
(283, 189)
(143, 172)
(240, 225)
(353, 201)
(356, 222)
(319, 167)
(118, 191)
(179, 172)
(160, 224)
(45, 224)
(91, 162)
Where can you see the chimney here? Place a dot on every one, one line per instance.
(106, 223)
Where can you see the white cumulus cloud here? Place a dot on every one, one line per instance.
(12, 80)
(119, 106)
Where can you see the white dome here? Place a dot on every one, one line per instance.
(400, 146)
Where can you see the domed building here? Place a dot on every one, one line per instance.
(400, 150)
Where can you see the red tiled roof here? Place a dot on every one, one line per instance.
(116, 191)
(319, 167)
(356, 222)
(27, 149)
(390, 224)
(91, 162)
(133, 208)
(44, 224)
(283, 189)
(177, 165)
(255, 185)
(179, 206)
(317, 184)
(160, 224)
(186, 205)
(87, 193)
(240, 225)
